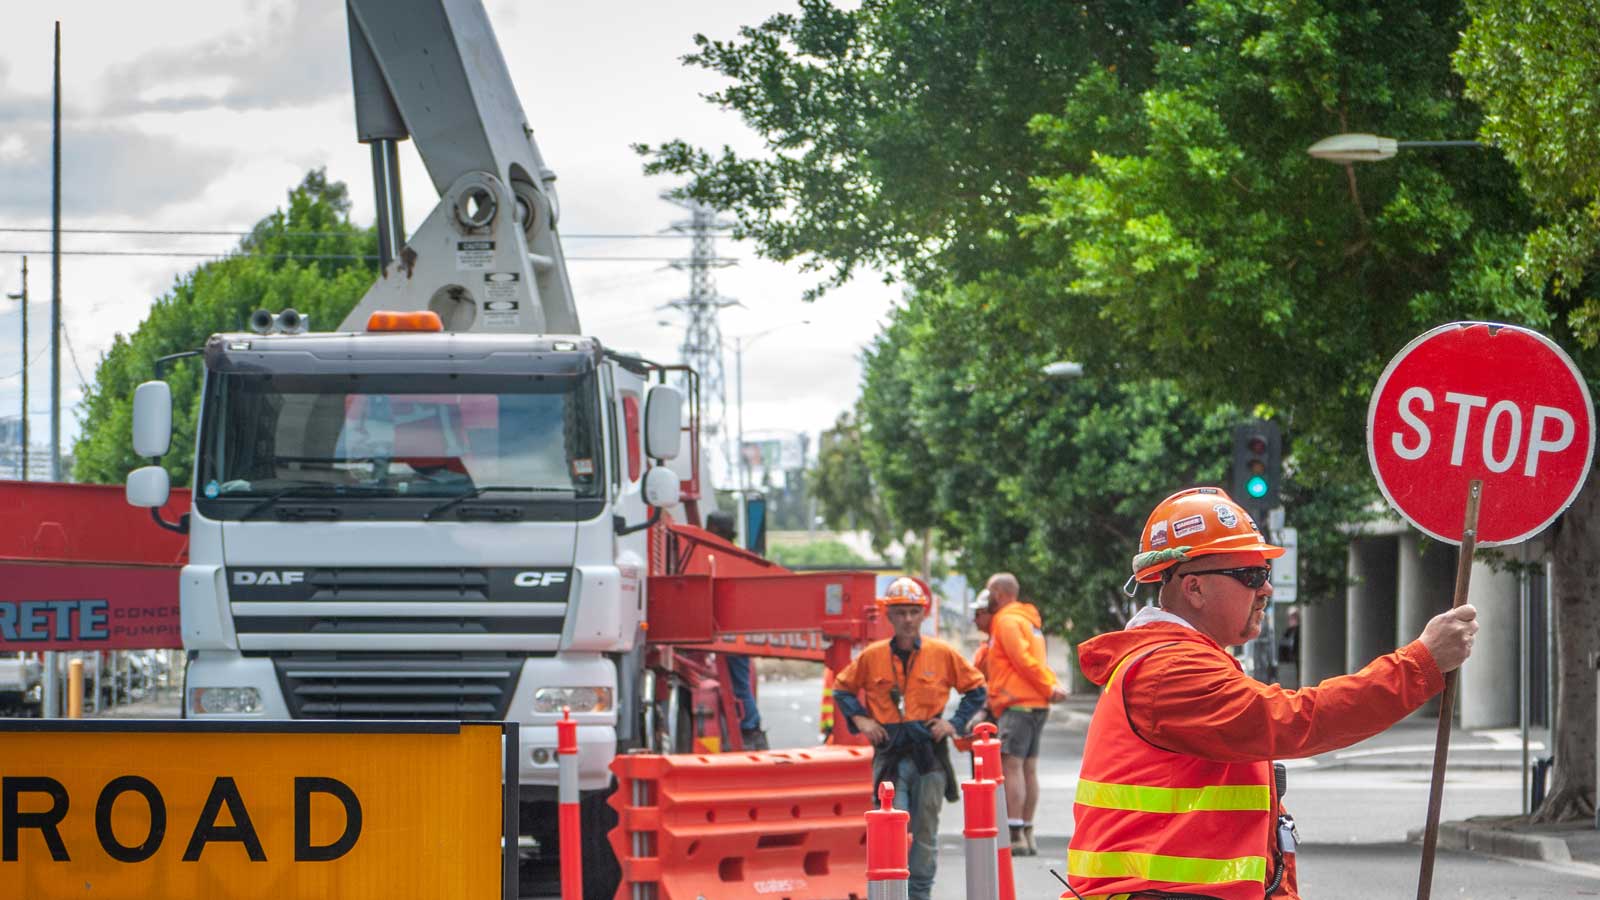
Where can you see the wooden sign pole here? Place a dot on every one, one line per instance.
(1447, 700)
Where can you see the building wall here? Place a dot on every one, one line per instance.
(1398, 581)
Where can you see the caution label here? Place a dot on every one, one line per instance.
(282, 810)
(502, 299)
(474, 255)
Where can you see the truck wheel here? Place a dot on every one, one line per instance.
(601, 871)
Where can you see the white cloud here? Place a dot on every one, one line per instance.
(204, 115)
(296, 53)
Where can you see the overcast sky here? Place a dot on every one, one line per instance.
(201, 114)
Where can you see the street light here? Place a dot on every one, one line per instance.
(739, 342)
(23, 296)
(1063, 369)
(1347, 148)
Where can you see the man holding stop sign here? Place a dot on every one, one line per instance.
(1477, 433)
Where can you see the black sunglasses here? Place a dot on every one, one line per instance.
(1251, 577)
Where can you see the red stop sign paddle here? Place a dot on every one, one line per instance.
(1474, 400)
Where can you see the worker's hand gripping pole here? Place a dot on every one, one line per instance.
(887, 871)
(570, 818)
(986, 765)
(981, 832)
(1447, 700)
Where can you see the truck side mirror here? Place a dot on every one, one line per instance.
(152, 422)
(663, 422)
(148, 487)
(661, 487)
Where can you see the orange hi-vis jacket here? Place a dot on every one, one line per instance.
(924, 685)
(1176, 792)
(1018, 675)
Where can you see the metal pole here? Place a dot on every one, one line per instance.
(1441, 746)
(1526, 691)
(1549, 653)
(23, 296)
(380, 199)
(50, 703)
(738, 380)
(55, 278)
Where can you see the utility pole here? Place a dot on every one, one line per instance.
(23, 296)
(55, 279)
(702, 339)
(51, 701)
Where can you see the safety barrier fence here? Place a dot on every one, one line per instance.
(783, 823)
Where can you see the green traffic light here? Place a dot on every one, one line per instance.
(1256, 487)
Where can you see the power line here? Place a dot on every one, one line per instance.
(314, 256)
(180, 232)
(82, 382)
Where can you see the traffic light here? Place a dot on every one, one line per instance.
(1257, 465)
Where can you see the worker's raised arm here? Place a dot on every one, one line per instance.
(1196, 703)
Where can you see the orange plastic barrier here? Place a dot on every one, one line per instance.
(776, 824)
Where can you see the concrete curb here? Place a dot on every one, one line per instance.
(1467, 837)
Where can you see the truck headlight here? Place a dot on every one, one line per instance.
(214, 700)
(578, 699)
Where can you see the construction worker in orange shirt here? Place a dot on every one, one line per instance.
(895, 693)
(1178, 794)
(1021, 689)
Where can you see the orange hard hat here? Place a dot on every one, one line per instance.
(905, 591)
(1198, 521)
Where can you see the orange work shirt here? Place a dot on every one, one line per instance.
(934, 669)
(1018, 675)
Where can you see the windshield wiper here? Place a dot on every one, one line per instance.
(480, 491)
(313, 490)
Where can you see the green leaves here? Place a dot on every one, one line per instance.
(307, 256)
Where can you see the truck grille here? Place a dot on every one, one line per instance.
(401, 601)
(477, 687)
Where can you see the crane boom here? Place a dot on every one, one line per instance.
(488, 258)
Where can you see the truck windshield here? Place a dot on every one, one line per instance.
(418, 435)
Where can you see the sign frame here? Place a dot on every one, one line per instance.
(509, 775)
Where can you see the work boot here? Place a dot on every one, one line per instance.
(1019, 844)
(1027, 838)
(754, 739)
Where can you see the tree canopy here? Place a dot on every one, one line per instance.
(1127, 185)
(307, 256)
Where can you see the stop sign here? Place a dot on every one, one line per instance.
(1477, 400)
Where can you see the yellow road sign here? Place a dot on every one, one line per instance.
(280, 810)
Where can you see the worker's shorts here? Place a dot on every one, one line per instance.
(1021, 731)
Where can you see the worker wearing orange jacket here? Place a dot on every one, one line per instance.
(1021, 689)
(1177, 794)
(895, 693)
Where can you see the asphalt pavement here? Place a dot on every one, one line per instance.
(1359, 810)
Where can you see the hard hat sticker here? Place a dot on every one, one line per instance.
(1225, 515)
(1158, 534)
(1187, 526)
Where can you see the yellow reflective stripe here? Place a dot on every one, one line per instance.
(1173, 869)
(1137, 798)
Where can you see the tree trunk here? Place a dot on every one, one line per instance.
(1575, 583)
